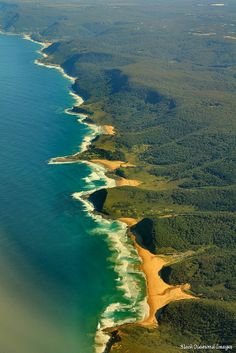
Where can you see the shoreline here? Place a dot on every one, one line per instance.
(159, 293)
(122, 243)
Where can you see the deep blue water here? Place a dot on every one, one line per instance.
(56, 274)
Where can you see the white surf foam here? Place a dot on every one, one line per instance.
(125, 262)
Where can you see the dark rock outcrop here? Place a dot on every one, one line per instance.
(145, 234)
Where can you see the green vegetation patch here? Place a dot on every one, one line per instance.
(213, 322)
(211, 274)
(195, 230)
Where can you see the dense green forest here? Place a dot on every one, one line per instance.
(163, 73)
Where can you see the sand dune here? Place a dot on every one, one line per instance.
(127, 182)
(109, 129)
(111, 165)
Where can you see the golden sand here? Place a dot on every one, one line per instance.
(159, 293)
(111, 165)
(127, 182)
(128, 165)
(109, 129)
(129, 221)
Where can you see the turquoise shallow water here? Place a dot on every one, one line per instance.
(60, 269)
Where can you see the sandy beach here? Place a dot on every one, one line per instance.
(110, 165)
(109, 130)
(129, 221)
(159, 293)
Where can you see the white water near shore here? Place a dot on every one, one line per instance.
(123, 254)
(127, 263)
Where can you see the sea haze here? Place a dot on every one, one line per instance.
(57, 274)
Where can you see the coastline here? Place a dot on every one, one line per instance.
(158, 292)
(122, 242)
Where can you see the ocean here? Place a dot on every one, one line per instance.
(64, 273)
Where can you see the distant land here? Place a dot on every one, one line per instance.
(159, 79)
